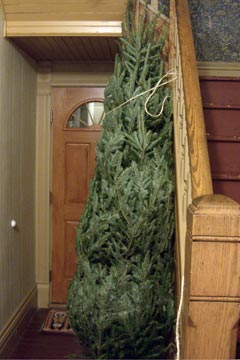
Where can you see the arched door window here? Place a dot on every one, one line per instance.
(86, 115)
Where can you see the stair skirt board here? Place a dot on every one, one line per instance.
(13, 327)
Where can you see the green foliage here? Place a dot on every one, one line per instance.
(120, 301)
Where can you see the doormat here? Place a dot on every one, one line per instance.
(57, 323)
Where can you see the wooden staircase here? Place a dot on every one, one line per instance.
(221, 106)
(208, 225)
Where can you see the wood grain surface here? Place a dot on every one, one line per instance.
(199, 161)
(221, 105)
(212, 271)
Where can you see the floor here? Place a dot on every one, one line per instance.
(238, 352)
(33, 344)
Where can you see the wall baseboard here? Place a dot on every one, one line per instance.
(221, 69)
(43, 294)
(15, 324)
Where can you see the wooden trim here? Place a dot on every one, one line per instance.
(14, 323)
(219, 239)
(216, 298)
(198, 152)
(2, 10)
(219, 69)
(225, 176)
(212, 294)
(181, 148)
(81, 74)
(110, 28)
(212, 330)
(220, 138)
(64, 28)
(220, 106)
(42, 186)
(179, 255)
(43, 294)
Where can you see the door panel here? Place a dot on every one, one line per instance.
(70, 234)
(73, 168)
(76, 176)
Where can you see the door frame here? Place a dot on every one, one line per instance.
(53, 75)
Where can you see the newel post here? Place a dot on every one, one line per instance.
(212, 279)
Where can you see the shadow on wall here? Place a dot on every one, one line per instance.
(216, 28)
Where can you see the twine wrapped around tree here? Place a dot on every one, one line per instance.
(120, 301)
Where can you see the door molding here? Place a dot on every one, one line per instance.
(49, 75)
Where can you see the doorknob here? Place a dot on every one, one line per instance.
(13, 224)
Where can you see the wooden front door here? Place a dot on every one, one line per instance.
(74, 142)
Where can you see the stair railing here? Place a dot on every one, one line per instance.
(207, 225)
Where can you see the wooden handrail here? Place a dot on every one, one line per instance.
(182, 162)
(198, 153)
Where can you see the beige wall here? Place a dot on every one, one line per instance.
(17, 180)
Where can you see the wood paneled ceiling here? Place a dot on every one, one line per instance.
(74, 30)
(57, 48)
(65, 30)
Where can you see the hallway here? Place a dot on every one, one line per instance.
(33, 344)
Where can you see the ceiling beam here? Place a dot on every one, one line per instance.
(63, 28)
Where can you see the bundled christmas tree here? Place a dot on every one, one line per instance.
(120, 301)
